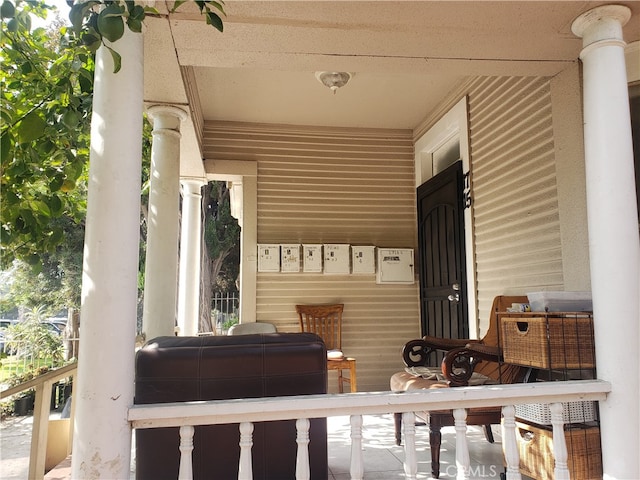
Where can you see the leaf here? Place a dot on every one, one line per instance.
(12, 25)
(34, 261)
(6, 146)
(138, 12)
(47, 147)
(177, 4)
(26, 21)
(70, 118)
(79, 12)
(57, 233)
(31, 127)
(55, 205)
(27, 219)
(40, 207)
(117, 59)
(215, 20)
(56, 183)
(91, 41)
(86, 85)
(134, 24)
(110, 26)
(26, 68)
(7, 10)
(218, 5)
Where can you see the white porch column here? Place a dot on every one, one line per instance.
(190, 244)
(244, 207)
(161, 264)
(613, 233)
(104, 387)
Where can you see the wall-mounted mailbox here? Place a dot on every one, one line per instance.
(312, 258)
(363, 259)
(336, 258)
(290, 257)
(268, 258)
(395, 265)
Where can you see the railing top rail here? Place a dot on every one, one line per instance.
(50, 376)
(312, 406)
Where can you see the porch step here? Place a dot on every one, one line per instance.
(62, 471)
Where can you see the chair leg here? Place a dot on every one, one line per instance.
(488, 433)
(340, 382)
(352, 377)
(397, 420)
(435, 440)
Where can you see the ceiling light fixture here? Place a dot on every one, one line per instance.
(334, 80)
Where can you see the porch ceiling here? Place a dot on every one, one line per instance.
(406, 56)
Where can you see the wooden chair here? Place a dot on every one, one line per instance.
(463, 359)
(326, 322)
(251, 327)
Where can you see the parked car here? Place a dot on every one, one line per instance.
(61, 323)
(53, 327)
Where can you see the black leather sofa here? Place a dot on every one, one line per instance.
(175, 369)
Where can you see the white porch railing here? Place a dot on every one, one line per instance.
(247, 411)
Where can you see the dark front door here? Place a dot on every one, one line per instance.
(443, 294)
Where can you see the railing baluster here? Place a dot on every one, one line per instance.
(409, 433)
(561, 471)
(302, 456)
(357, 462)
(509, 442)
(462, 449)
(245, 471)
(185, 471)
(39, 431)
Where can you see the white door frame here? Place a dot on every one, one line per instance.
(453, 124)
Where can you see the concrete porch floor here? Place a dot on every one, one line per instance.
(382, 458)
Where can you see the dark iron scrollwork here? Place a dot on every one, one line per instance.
(466, 192)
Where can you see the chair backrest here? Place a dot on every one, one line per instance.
(323, 320)
(500, 304)
(252, 327)
(504, 373)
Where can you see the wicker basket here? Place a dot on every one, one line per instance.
(572, 412)
(535, 446)
(548, 341)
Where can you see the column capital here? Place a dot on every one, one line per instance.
(192, 185)
(166, 116)
(603, 23)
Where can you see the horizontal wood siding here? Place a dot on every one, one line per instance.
(326, 185)
(515, 205)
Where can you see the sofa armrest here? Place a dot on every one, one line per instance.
(415, 353)
(459, 364)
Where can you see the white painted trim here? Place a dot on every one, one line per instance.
(453, 123)
(216, 412)
(632, 60)
(244, 207)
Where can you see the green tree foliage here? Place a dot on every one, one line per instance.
(58, 283)
(222, 237)
(95, 21)
(32, 340)
(45, 108)
(46, 79)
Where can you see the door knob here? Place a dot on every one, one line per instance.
(454, 298)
